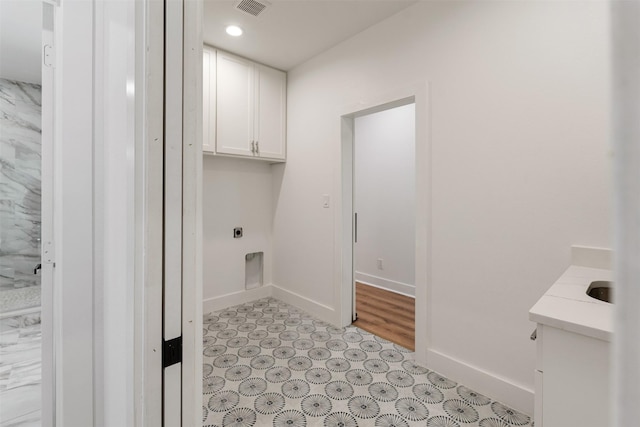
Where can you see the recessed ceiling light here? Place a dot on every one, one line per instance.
(234, 30)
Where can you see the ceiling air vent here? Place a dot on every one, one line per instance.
(252, 7)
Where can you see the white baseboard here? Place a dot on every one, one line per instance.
(500, 389)
(318, 310)
(236, 298)
(389, 285)
(323, 312)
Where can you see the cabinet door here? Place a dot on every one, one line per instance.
(208, 100)
(235, 88)
(270, 114)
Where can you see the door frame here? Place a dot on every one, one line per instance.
(90, 384)
(173, 116)
(173, 215)
(149, 154)
(185, 85)
(417, 93)
(192, 122)
(73, 220)
(625, 17)
(49, 10)
(354, 185)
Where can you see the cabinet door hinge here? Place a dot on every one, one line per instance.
(171, 352)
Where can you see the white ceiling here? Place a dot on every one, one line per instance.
(285, 34)
(20, 40)
(289, 32)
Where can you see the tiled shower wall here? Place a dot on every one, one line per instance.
(20, 155)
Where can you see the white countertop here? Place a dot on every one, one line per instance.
(567, 306)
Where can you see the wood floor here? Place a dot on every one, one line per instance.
(386, 314)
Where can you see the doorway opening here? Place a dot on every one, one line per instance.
(26, 215)
(417, 213)
(384, 223)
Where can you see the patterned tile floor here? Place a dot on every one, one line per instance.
(267, 363)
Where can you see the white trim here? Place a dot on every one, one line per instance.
(210, 305)
(625, 28)
(343, 262)
(173, 146)
(386, 284)
(192, 217)
(173, 205)
(345, 293)
(100, 228)
(316, 309)
(47, 283)
(148, 199)
(423, 221)
(514, 395)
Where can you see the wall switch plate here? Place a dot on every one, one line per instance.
(237, 232)
(326, 201)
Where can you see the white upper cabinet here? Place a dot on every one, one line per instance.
(270, 113)
(248, 101)
(235, 105)
(209, 100)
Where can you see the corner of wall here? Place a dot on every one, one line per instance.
(236, 298)
(322, 312)
(499, 388)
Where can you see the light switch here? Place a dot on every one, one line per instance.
(326, 201)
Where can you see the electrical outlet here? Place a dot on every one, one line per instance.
(380, 264)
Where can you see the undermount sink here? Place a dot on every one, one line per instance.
(601, 290)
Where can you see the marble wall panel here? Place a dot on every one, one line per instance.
(20, 183)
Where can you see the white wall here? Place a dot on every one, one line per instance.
(384, 198)
(519, 171)
(236, 193)
(21, 40)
